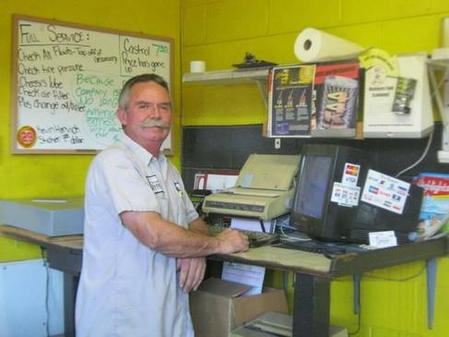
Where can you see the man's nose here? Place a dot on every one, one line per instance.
(155, 112)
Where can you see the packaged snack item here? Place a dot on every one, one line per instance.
(434, 216)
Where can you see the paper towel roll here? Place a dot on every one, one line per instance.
(313, 45)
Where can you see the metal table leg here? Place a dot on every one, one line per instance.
(311, 306)
(431, 269)
(70, 287)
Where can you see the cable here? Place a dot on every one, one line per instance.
(352, 333)
(424, 154)
(291, 237)
(47, 290)
(262, 226)
(359, 325)
(403, 279)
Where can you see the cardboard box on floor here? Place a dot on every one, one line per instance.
(217, 307)
(272, 324)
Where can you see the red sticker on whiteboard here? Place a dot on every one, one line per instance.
(26, 136)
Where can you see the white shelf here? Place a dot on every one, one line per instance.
(226, 76)
(223, 77)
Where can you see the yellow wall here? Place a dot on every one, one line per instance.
(221, 31)
(63, 175)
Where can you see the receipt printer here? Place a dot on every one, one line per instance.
(264, 188)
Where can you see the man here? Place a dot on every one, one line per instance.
(144, 244)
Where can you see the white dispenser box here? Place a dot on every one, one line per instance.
(379, 120)
(51, 217)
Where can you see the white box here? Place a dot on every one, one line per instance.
(379, 121)
(51, 217)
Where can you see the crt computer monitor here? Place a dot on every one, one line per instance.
(314, 213)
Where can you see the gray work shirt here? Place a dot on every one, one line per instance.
(126, 288)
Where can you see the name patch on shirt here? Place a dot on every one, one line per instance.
(178, 188)
(155, 184)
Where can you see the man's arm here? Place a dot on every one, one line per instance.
(192, 269)
(198, 225)
(173, 240)
(191, 272)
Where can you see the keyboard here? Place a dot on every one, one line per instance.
(324, 248)
(256, 239)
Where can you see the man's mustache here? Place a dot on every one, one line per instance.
(152, 123)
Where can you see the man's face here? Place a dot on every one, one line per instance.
(147, 119)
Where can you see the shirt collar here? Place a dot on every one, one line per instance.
(143, 155)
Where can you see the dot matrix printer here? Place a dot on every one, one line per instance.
(264, 188)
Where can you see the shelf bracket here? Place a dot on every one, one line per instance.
(262, 86)
(439, 69)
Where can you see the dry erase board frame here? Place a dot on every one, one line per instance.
(66, 79)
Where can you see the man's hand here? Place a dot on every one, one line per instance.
(191, 272)
(232, 241)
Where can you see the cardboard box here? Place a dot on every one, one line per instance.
(273, 324)
(217, 307)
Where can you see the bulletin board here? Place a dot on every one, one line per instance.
(66, 81)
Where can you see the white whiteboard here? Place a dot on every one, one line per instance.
(66, 82)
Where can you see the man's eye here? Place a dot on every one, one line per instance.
(165, 107)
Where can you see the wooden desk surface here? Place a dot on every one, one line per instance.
(69, 241)
(279, 258)
(283, 259)
(340, 265)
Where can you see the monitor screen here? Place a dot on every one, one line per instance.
(321, 207)
(328, 206)
(311, 191)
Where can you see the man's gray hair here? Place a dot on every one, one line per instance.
(124, 93)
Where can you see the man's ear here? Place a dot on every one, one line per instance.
(121, 115)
